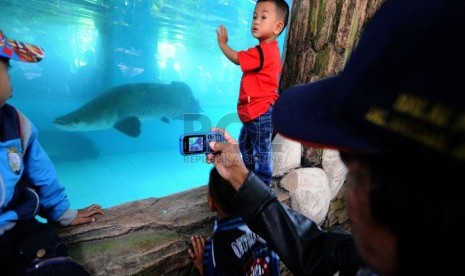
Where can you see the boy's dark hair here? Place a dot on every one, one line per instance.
(283, 9)
(221, 192)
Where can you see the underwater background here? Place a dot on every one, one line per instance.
(92, 46)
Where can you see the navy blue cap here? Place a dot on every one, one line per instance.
(401, 93)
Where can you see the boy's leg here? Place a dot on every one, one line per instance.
(255, 146)
(262, 148)
(245, 145)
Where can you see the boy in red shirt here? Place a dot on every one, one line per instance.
(261, 67)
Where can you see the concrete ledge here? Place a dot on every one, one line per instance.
(146, 237)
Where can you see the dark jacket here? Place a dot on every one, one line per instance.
(303, 247)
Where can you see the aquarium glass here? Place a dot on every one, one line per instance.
(93, 47)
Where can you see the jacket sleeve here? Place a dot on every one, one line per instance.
(302, 246)
(41, 175)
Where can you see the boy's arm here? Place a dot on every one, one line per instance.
(41, 174)
(222, 36)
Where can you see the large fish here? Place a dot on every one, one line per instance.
(124, 107)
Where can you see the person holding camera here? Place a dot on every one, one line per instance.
(396, 114)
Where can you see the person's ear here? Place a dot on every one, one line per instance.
(279, 27)
(211, 204)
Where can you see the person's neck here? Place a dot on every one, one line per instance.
(222, 216)
(267, 40)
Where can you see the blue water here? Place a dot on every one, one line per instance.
(91, 46)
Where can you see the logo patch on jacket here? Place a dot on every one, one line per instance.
(14, 157)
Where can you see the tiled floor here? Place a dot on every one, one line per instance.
(112, 180)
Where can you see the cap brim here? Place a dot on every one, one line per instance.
(314, 114)
(18, 50)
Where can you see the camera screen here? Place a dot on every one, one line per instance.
(196, 144)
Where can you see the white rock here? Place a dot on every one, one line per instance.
(335, 170)
(286, 155)
(309, 192)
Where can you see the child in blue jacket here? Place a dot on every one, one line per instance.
(29, 186)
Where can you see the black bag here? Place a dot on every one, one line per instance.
(40, 250)
(43, 252)
(57, 266)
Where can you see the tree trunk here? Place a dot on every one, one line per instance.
(321, 36)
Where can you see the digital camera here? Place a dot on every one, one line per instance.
(198, 143)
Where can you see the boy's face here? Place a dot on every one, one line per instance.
(5, 86)
(266, 24)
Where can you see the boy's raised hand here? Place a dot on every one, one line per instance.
(222, 35)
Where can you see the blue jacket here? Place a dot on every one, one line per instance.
(28, 180)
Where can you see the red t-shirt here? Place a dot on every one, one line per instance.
(258, 88)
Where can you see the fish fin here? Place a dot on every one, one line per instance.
(165, 120)
(129, 126)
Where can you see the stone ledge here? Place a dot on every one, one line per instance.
(146, 237)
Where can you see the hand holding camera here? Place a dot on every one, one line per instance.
(198, 143)
(225, 155)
